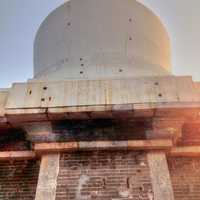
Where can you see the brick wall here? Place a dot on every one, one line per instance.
(191, 133)
(104, 176)
(18, 180)
(185, 176)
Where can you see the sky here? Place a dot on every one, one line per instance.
(20, 20)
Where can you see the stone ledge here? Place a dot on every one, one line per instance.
(185, 151)
(181, 109)
(149, 145)
(17, 155)
(103, 145)
(151, 97)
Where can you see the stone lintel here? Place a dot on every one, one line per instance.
(103, 145)
(185, 151)
(17, 155)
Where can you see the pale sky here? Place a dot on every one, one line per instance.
(20, 19)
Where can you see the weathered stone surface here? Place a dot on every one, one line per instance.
(103, 145)
(17, 155)
(160, 178)
(185, 151)
(47, 181)
(103, 130)
(77, 93)
(3, 100)
(56, 147)
(42, 130)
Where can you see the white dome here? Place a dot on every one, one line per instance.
(101, 39)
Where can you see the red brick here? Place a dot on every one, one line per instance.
(104, 175)
(185, 177)
(18, 180)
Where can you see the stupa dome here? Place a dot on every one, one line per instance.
(101, 39)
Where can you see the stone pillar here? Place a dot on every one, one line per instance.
(160, 177)
(47, 181)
